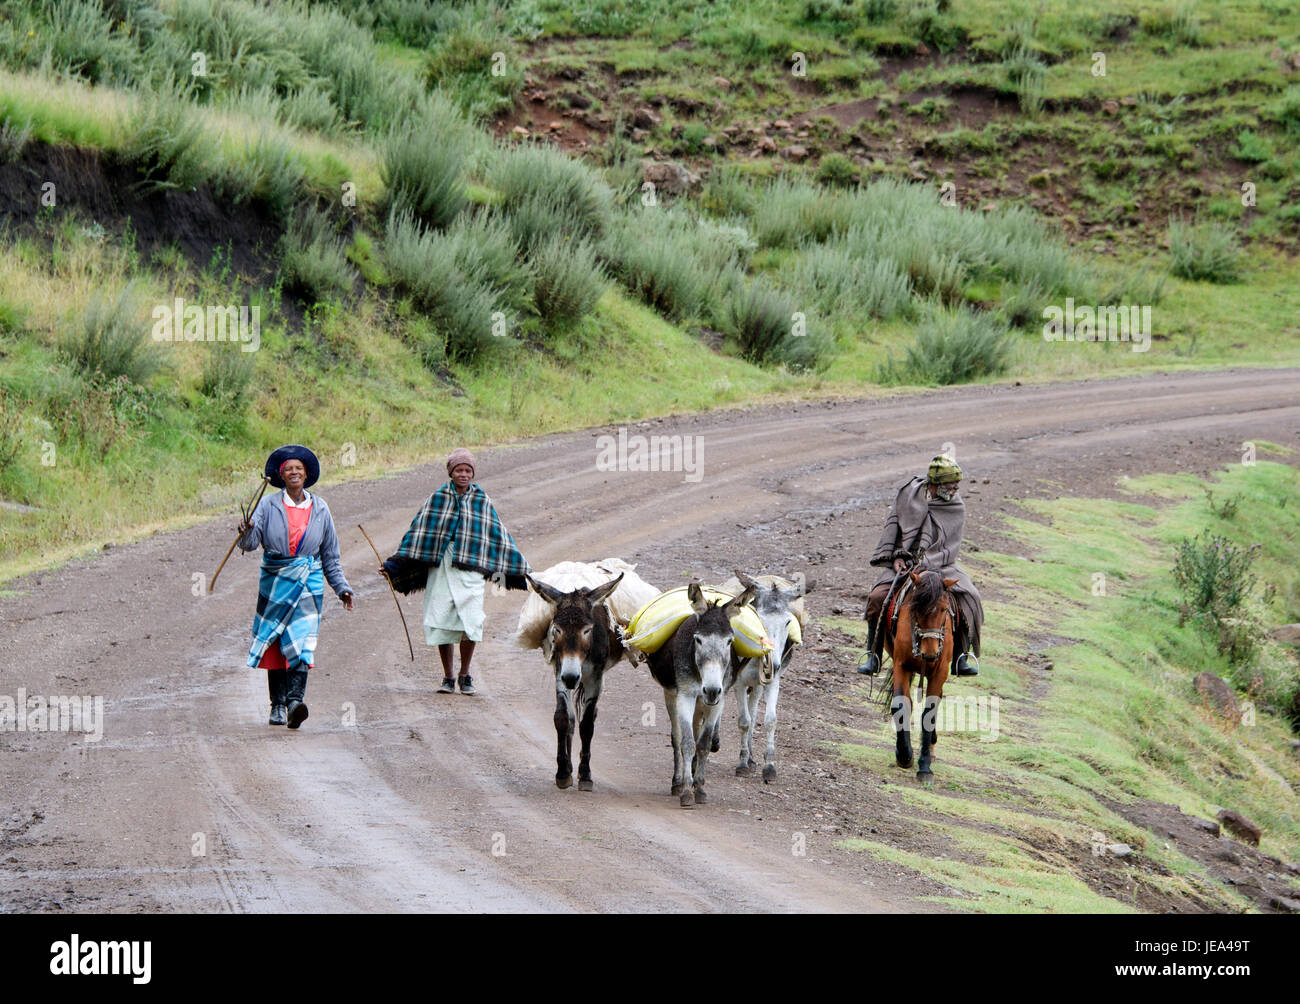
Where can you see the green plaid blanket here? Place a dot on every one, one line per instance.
(471, 533)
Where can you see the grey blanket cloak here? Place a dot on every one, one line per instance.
(919, 524)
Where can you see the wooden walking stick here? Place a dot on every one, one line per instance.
(390, 589)
(248, 512)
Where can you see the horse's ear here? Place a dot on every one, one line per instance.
(696, 595)
(916, 578)
(549, 593)
(949, 583)
(598, 593)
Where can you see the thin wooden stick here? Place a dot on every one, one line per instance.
(390, 589)
(212, 583)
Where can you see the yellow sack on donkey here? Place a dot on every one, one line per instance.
(655, 623)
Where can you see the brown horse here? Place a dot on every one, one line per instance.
(922, 642)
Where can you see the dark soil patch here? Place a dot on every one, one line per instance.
(101, 189)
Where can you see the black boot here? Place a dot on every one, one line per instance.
(275, 683)
(966, 665)
(295, 692)
(871, 664)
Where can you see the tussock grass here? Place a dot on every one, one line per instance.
(111, 339)
(951, 346)
(1207, 251)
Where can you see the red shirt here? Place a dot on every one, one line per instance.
(298, 518)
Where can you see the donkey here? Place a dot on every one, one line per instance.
(581, 645)
(696, 667)
(775, 601)
(921, 642)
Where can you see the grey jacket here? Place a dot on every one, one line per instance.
(270, 529)
(919, 524)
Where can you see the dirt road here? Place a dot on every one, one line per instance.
(394, 798)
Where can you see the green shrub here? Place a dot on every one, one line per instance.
(1252, 147)
(525, 172)
(314, 263)
(951, 346)
(111, 340)
(839, 283)
(792, 213)
(85, 43)
(164, 142)
(1025, 75)
(878, 11)
(569, 279)
(1286, 112)
(681, 266)
(1213, 575)
(729, 192)
(1209, 252)
(463, 57)
(422, 173)
(227, 375)
(835, 169)
(761, 322)
(468, 279)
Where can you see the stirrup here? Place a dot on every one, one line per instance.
(871, 666)
(967, 665)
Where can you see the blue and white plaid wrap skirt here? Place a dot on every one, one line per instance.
(290, 594)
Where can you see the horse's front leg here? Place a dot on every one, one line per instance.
(769, 726)
(745, 718)
(563, 737)
(929, 717)
(586, 727)
(900, 710)
(929, 712)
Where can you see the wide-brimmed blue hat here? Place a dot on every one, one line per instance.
(292, 452)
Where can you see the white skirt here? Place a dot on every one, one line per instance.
(453, 605)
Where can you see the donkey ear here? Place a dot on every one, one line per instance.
(744, 598)
(696, 595)
(549, 593)
(744, 579)
(598, 593)
(949, 583)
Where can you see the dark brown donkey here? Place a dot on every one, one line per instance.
(581, 644)
(921, 642)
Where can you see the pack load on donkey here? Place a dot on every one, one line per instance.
(632, 594)
(659, 619)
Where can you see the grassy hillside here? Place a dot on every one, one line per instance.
(441, 212)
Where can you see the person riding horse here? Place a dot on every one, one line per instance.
(924, 530)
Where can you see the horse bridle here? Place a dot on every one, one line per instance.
(921, 634)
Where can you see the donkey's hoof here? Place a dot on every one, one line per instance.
(925, 776)
(678, 787)
(769, 772)
(688, 798)
(700, 795)
(564, 782)
(584, 785)
(745, 770)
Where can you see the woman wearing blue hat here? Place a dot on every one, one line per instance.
(300, 552)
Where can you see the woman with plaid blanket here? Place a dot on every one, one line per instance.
(300, 551)
(455, 543)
